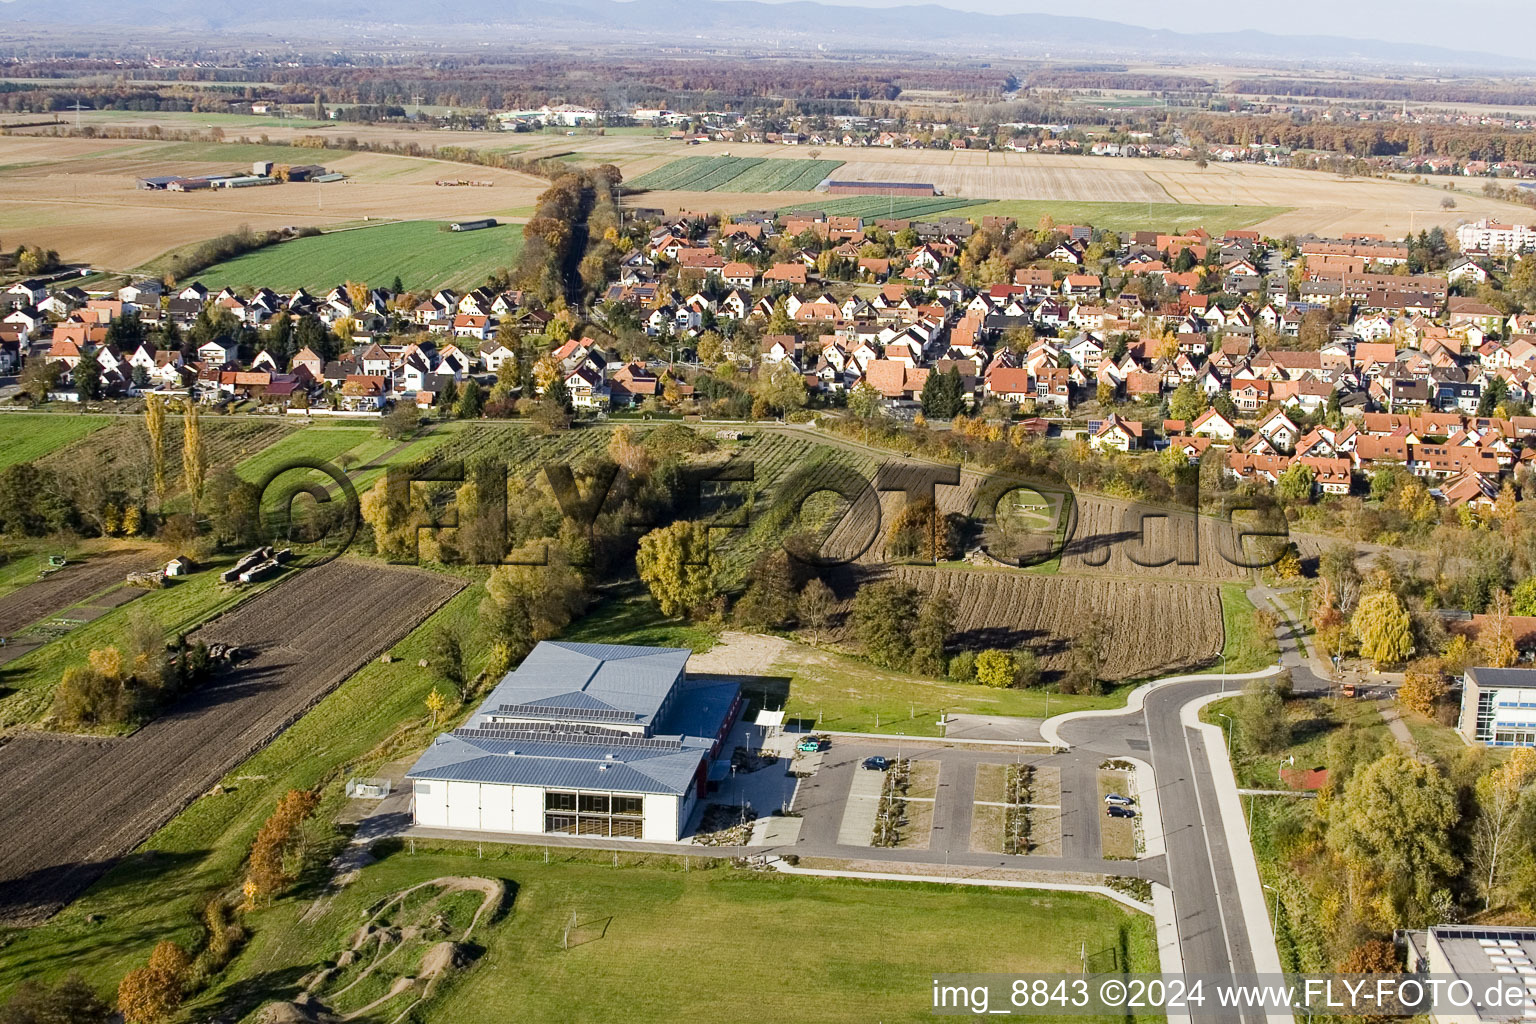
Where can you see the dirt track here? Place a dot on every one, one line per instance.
(69, 586)
(70, 806)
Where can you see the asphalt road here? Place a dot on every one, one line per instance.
(1212, 935)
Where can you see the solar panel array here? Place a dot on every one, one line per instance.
(573, 734)
(586, 714)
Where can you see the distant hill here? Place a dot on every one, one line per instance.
(791, 25)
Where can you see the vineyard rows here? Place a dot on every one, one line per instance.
(1154, 626)
(1103, 542)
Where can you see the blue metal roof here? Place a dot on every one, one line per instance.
(571, 701)
(557, 674)
(465, 756)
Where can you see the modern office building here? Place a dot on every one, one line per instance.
(581, 739)
(1498, 706)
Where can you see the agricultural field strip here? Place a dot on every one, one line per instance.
(310, 633)
(884, 207)
(1100, 544)
(71, 585)
(736, 174)
(25, 437)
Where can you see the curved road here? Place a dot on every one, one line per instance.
(1213, 937)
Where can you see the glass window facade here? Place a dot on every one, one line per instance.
(593, 814)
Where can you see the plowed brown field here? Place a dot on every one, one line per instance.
(70, 805)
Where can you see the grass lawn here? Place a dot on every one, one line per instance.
(423, 253)
(632, 618)
(1247, 647)
(1126, 216)
(654, 943)
(28, 436)
(1444, 743)
(316, 442)
(845, 694)
(156, 892)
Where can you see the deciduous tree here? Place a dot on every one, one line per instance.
(1393, 829)
(675, 561)
(1384, 628)
(814, 608)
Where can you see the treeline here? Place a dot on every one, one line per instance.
(568, 245)
(1365, 139)
(1116, 80)
(238, 242)
(1413, 92)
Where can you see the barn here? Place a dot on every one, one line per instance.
(474, 225)
(598, 740)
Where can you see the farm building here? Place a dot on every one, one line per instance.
(881, 188)
(581, 739)
(474, 225)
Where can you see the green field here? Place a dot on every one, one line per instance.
(422, 253)
(1164, 217)
(320, 442)
(886, 207)
(27, 436)
(655, 943)
(736, 174)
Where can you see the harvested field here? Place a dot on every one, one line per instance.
(1107, 542)
(1154, 627)
(71, 585)
(309, 634)
(79, 196)
(1012, 180)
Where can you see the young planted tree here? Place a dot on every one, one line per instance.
(814, 607)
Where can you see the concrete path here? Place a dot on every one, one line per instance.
(858, 825)
(1398, 728)
(990, 883)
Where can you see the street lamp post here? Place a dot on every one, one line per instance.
(1229, 733)
(1274, 924)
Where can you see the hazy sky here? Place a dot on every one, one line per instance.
(1488, 26)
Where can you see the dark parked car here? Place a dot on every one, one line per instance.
(1121, 812)
(876, 764)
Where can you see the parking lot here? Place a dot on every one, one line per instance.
(947, 819)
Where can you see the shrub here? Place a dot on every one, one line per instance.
(962, 667)
(995, 668)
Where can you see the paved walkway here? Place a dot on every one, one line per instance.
(1398, 728)
(858, 824)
